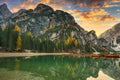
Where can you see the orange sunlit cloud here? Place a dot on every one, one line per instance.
(45, 1)
(116, 0)
(55, 7)
(28, 4)
(24, 5)
(93, 15)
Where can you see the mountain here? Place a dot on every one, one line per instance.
(46, 23)
(4, 11)
(43, 17)
(112, 36)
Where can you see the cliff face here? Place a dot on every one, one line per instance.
(112, 35)
(91, 36)
(4, 11)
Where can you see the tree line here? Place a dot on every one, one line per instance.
(12, 39)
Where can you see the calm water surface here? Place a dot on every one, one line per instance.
(59, 68)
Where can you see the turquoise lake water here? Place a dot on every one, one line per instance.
(58, 68)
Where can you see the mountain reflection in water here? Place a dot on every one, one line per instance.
(58, 68)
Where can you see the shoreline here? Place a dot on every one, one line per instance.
(18, 54)
(2, 55)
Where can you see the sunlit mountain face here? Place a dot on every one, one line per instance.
(98, 15)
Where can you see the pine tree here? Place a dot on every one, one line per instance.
(69, 40)
(1, 36)
(27, 40)
(7, 37)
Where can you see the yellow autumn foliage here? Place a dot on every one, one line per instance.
(69, 40)
(17, 28)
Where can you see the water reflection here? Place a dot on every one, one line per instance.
(17, 64)
(58, 68)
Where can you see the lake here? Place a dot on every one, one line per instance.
(59, 68)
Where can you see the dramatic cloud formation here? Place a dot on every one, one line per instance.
(28, 4)
(87, 3)
(118, 10)
(116, 0)
(90, 3)
(93, 15)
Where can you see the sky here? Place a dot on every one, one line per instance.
(98, 15)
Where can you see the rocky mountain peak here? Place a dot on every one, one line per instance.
(91, 35)
(92, 32)
(3, 6)
(116, 28)
(62, 13)
(112, 35)
(42, 8)
(64, 17)
(4, 11)
(21, 10)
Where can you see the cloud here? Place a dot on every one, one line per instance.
(25, 4)
(115, 0)
(56, 7)
(15, 5)
(3, 1)
(31, 4)
(112, 5)
(93, 15)
(118, 10)
(94, 3)
(45, 1)
(59, 4)
(107, 17)
(90, 3)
